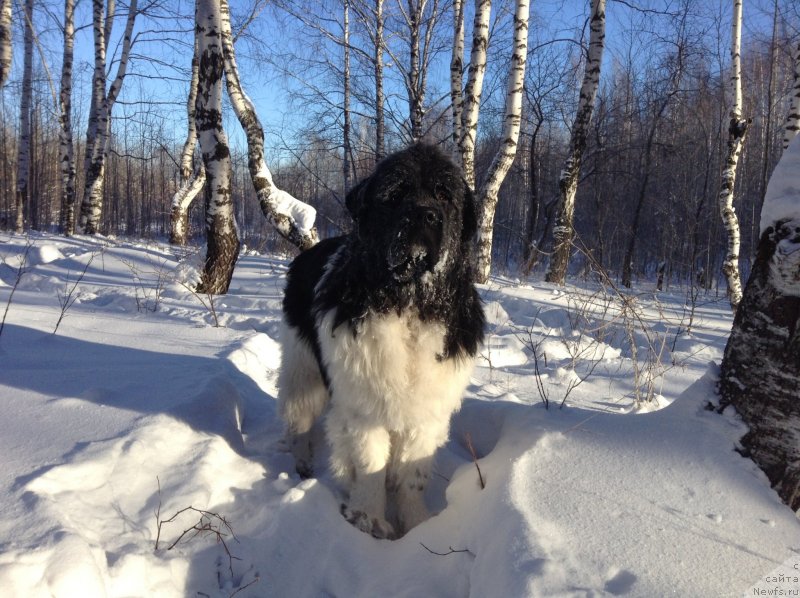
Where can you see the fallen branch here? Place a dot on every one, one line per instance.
(475, 459)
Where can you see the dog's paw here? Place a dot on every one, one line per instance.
(304, 469)
(377, 527)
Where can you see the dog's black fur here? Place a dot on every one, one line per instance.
(412, 248)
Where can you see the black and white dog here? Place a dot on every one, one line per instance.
(381, 327)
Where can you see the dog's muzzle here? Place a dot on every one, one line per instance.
(415, 246)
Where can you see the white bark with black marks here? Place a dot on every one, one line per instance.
(24, 151)
(512, 122)
(380, 121)
(293, 219)
(67, 149)
(737, 129)
(457, 70)
(568, 182)
(760, 373)
(223, 239)
(792, 126)
(6, 41)
(99, 130)
(192, 179)
(473, 89)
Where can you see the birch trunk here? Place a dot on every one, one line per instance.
(346, 107)
(380, 143)
(6, 41)
(568, 182)
(24, 151)
(65, 122)
(281, 209)
(474, 88)
(192, 180)
(508, 150)
(223, 240)
(792, 126)
(99, 129)
(737, 130)
(457, 70)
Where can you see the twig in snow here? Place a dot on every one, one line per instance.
(68, 297)
(20, 271)
(474, 459)
(451, 551)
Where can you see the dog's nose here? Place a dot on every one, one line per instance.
(430, 216)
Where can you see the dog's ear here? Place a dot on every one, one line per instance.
(469, 213)
(355, 198)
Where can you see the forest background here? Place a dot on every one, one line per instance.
(655, 147)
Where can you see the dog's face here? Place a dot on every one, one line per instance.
(415, 214)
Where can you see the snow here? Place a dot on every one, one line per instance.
(302, 213)
(138, 408)
(782, 200)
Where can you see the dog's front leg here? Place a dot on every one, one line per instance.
(359, 455)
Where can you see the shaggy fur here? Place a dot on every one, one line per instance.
(380, 329)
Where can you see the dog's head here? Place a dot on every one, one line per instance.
(415, 213)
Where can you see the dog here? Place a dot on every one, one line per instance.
(380, 330)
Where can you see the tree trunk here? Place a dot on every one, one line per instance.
(736, 133)
(24, 151)
(473, 89)
(760, 373)
(568, 182)
(65, 120)
(346, 169)
(792, 126)
(6, 41)
(293, 219)
(223, 241)
(100, 116)
(457, 70)
(192, 180)
(380, 143)
(505, 155)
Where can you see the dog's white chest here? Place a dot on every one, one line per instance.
(391, 369)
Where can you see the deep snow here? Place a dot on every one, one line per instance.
(139, 405)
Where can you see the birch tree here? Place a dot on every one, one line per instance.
(737, 129)
(792, 126)
(65, 121)
(508, 149)
(473, 89)
(24, 148)
(347, 150)
(293, 219)
(192, 179)
(102, 103)
(760, 372)
(457, 70)
(6, 41)
(223, 240)
(563, 230)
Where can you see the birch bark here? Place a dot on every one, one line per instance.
(457, 70)
(65, 122)
(99, 130)
(346, 108)
(792, 126)
(505, 155)
(737, 130)
(568, 182)
(473, 89)
(24, 151)
(380, 144)
(192, 180)
(223, 240)
(281, 209)
(6, 40)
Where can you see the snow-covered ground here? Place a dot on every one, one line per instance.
(139, 407)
